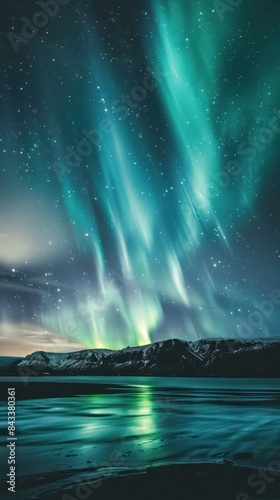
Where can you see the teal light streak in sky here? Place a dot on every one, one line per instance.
(188, 44)
(146, 237)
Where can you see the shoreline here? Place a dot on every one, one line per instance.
(186, 481)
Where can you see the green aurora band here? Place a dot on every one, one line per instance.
(154, 212)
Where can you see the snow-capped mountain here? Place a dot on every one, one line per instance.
(208, 357)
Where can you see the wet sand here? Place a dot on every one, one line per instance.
(193, 482)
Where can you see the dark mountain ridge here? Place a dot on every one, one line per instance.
(204, 358)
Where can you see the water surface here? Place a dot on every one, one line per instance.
(131, 422)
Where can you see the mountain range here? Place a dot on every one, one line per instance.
(203, 358)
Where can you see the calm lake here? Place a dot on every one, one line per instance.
(113, 423)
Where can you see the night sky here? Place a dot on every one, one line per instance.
(139, 173)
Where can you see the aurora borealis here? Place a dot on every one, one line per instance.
(163, 222)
